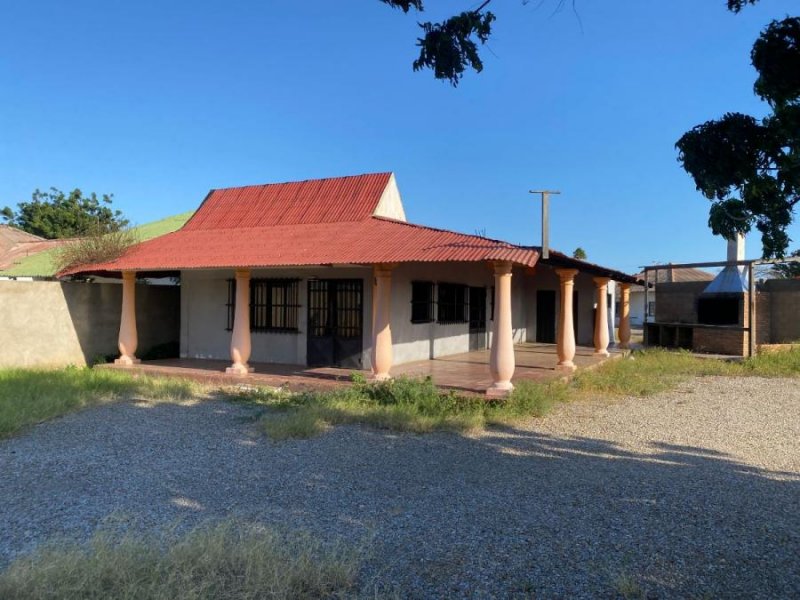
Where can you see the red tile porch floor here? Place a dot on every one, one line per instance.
(468, 372)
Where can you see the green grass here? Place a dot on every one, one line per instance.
(652, 371)
(30, 396)
(227, 560)
(403, 404)
(416, 405)
(43, 264)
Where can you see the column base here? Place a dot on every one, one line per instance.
(239, 370)
(127, 361)
(380, 377)
(567, 367)
(604, 353)
(501, 389)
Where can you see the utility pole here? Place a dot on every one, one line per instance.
(545, 219)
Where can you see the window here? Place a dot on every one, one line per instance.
(651, 308)
(491, 317)
(274, 304)
(452, 303)
(421, 301)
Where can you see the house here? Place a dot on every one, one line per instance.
(330, 272)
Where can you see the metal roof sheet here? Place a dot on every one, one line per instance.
(338, 199)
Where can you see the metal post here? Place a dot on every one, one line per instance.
(545, 219)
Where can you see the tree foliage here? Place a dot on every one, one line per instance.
(54, 214)
(750, 168)
(449, 47)
(96, 247)
(579, 253)
(788, 270)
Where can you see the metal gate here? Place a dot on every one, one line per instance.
(335, 323)
(477, 318)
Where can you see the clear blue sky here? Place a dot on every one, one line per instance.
(160, 101)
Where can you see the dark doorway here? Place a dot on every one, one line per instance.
(546, 316)
(477, 318)
(335, 323)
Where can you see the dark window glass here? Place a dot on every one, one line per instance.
(421, 302)
(452, 303)
(274, 304)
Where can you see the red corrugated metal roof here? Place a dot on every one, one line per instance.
(373, 240)
(316, 222)
(339, 199)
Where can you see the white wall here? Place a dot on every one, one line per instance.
(204, 298)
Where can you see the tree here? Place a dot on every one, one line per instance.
(750, 168)
(579, 253)
(789, 270)
(449, 47)
(54, 214)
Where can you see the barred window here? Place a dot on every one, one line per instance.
(274, 304)
(452, 301)
(421, 301)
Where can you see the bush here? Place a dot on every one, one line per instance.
(97, 247)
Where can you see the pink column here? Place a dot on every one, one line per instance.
(381, 322)
(501, 357)
(625, 316)
(565, 343)
(601, 322)
(240, 338)
(128, 339)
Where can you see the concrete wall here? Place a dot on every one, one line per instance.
(50, 323)
(204, 298)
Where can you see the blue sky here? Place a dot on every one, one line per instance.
(157, 102)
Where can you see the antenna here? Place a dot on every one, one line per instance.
(545, 219)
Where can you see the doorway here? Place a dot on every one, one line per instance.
(335, 323)
(477, 318)
(546, 316)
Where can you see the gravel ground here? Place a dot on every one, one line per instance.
(693, 493)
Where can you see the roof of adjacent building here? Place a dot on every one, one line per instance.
(677, 275)
(336, 221)
(36, 257)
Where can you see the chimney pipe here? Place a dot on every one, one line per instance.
(736, 248)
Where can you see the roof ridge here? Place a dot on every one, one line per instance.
(298, 181)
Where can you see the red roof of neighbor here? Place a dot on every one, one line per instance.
(373, 240)
(334, 200)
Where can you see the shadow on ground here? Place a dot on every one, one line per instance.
(512, 513)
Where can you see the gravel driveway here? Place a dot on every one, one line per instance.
(694, 493)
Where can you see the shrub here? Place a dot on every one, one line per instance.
(97, 247)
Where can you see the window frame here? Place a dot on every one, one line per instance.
(427, 303)
(460, 307)
(263, 305)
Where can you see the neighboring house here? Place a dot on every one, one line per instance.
(17, 246)
(637, 302)
(27, 256)
(329, 273)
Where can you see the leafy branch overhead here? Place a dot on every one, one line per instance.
(750, 168)
(449, 47)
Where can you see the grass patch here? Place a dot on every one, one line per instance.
(403, 404)
(652, 371)
(30, 396)
(416, 405)
(227, 560)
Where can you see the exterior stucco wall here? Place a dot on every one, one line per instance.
(51, 323)
(204, 295)
(204, 298)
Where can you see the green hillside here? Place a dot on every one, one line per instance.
(42, 264)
